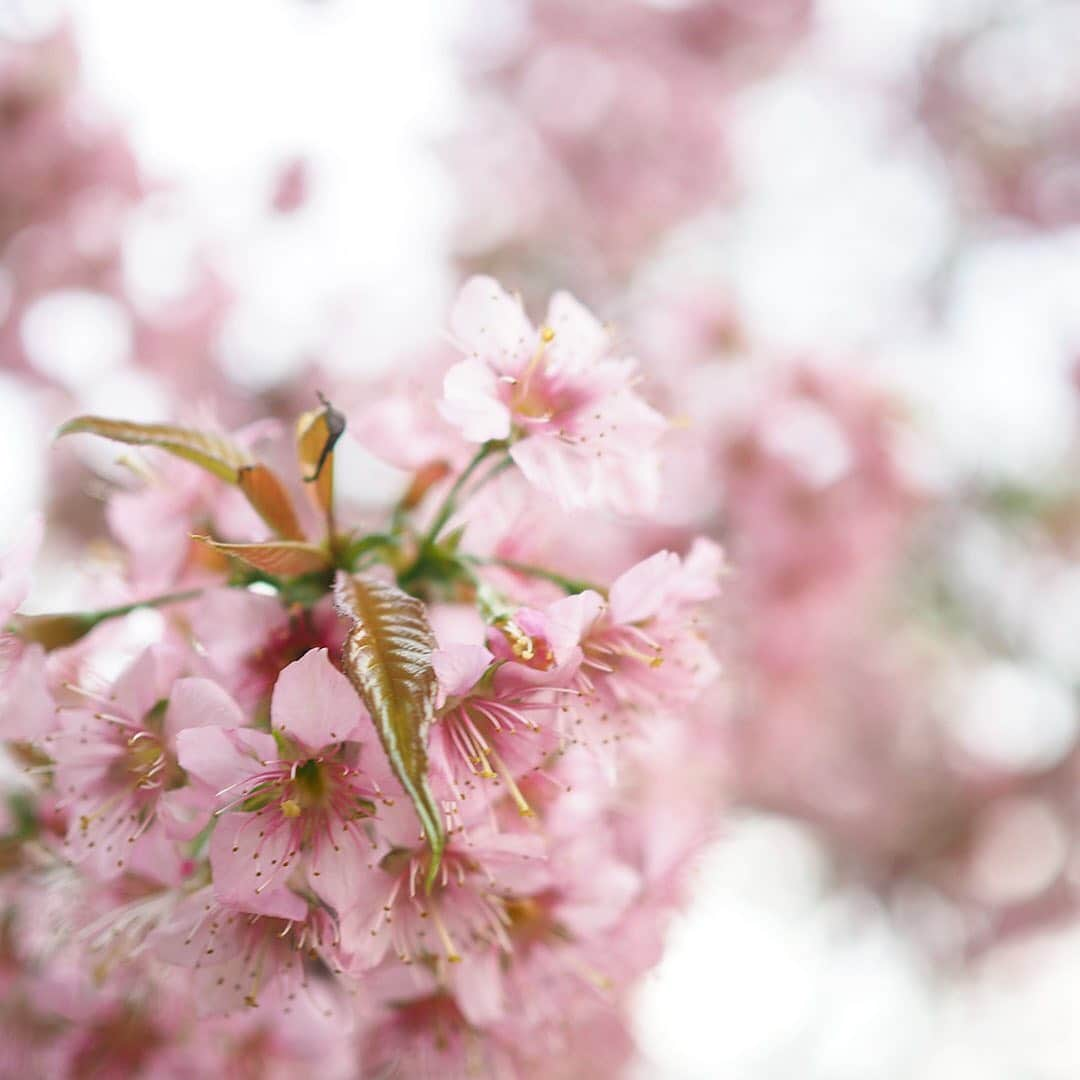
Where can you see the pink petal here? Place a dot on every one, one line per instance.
(201, 703)
(183, 812)
(599, 896)
(643, 590)
(459, 667)
(233, 623)
(192, 929)
(471, 402)
(630, 483)
(15, 568)
(555, 468)
(223, 758)
(314, 703)
(491, 325)
(456, 624)
(344, 876)
(250, 870)
(570, 619)
(702, 568)
(477, 985)
(580, 338)
(26, 707)
(145, 682)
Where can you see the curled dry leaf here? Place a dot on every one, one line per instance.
(387, 657)
(317, 433)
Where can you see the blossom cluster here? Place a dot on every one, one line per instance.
(886, 663)
(360, 800)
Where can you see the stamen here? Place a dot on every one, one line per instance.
(452, 954)
(515, 792)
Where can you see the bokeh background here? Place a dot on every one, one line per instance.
(841, 235)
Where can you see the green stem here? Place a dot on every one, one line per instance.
(449, 504)
(570, 585)
(56, 630)
(153, 602)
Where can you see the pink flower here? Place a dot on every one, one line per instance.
(578, 429)
(293, 807)
(116, 767)
(397, 419)
(464, 912)
(428, 1037)
(496, 721)
(241, 960)
(643, 648)
(247, 639)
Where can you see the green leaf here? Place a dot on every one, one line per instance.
(213, 452)
(387, 657)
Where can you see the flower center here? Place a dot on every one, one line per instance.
(310, 787)
(528, 398)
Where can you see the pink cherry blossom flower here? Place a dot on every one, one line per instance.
(642, 648)
(464, 910)
(497, 719)
(429, 1036)
(578, 429)
(242, 960)
(116, 765)
(247, 639)
(293, 805)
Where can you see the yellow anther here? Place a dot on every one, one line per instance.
(290, 808)
(522, 645)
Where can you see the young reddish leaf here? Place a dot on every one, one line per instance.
(271, 501)
(317, 433)
(387, 656)
(215, 453)
(281, 557)
(424, 479)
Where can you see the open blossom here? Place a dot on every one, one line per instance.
(498, 720)
(458, 927)
(641, 649)
(243, 960)
(325, 784)
(580, 432)
(430, 1036)
(247, 639)
(116, 765)
(295, 802)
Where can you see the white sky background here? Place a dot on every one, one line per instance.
(217, 95)
(768, 978)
